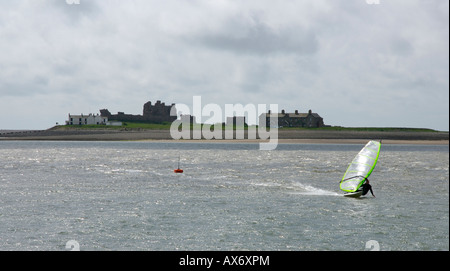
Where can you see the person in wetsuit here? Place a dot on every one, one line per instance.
(366, 187)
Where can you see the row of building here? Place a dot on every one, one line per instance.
(296, 119)
(159, 113)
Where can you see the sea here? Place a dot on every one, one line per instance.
(124, 196)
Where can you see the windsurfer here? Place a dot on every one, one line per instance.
(366, 187)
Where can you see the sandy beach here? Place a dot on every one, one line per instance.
(284, 136)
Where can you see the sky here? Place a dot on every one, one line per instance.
(357, 63)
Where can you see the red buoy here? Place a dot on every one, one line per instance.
(178, 170)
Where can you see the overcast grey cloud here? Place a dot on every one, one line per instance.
(354, 63)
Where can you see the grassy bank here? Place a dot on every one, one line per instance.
(364, 129)
(167, 125)
(125, 126)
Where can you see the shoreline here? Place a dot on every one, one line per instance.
(303, 141)
(284, 137)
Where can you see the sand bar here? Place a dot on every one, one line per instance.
(284, 136)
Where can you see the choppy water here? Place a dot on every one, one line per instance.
(125, 196)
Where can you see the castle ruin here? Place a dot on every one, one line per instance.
(157, 113)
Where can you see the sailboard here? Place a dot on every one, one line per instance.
(360, 169)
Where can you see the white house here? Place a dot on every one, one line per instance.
(90, 119)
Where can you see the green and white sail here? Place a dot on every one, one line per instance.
(361, 167)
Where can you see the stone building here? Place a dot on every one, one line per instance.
(157, 113)
(296, 119)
